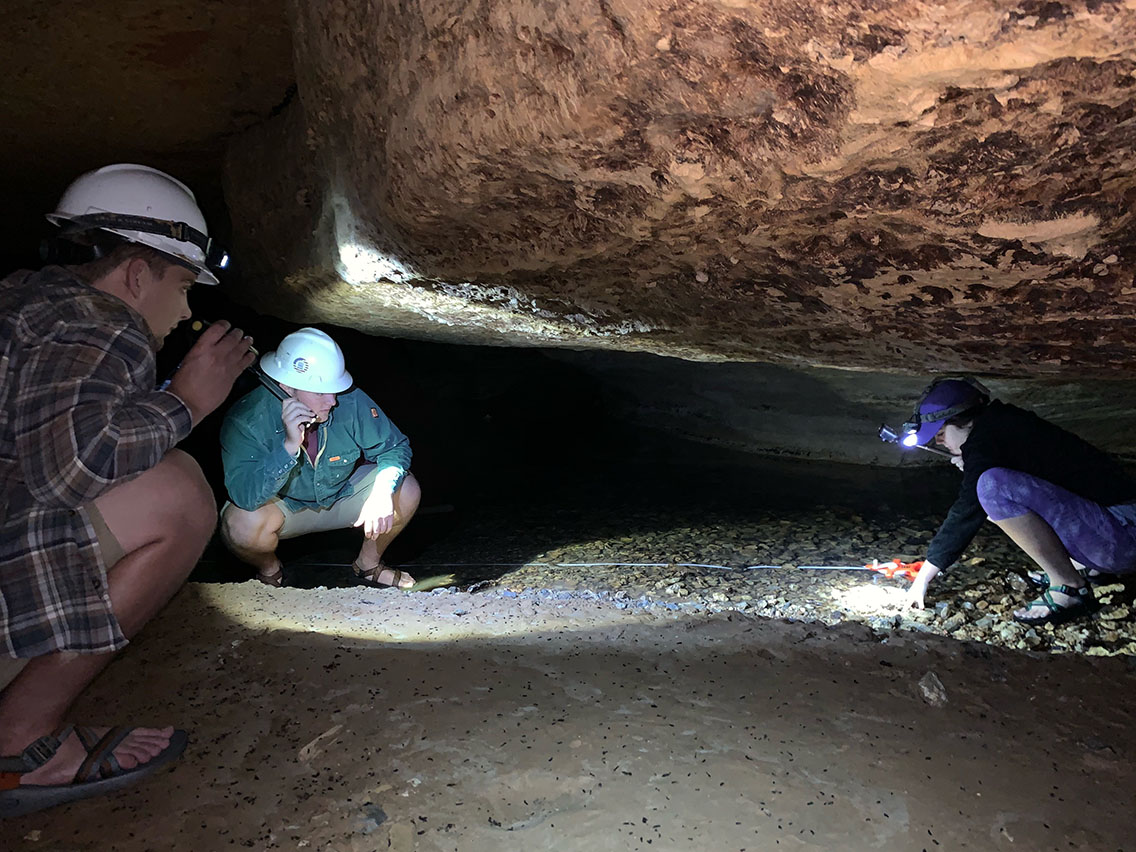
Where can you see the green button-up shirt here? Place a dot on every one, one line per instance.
(258, 468)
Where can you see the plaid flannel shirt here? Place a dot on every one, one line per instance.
(78, 415)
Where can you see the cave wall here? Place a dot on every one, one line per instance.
(830, 199)
(148, 81)
(820, 414)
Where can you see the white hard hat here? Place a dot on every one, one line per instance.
(308, 360)
(141, 205)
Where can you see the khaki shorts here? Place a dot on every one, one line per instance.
(112, 551)
(339, 515)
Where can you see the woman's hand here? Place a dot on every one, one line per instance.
(919, 585)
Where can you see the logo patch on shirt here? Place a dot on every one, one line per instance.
(334, 458)
(374, 412)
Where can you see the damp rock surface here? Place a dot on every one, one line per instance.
(787, 541)
(909, 185)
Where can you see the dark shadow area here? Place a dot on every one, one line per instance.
(519, 452)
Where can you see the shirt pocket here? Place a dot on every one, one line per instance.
(337, 467)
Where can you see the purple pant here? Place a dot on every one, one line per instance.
(1092, 534)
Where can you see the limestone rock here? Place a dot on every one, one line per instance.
(932, 690)
(145, 81)
(904, 185)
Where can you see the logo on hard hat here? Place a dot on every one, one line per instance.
(300, 365)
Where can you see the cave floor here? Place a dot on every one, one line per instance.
(364, 719)
(744, 557)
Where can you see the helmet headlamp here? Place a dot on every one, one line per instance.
(938, 404)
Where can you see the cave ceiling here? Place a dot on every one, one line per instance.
(893, 186)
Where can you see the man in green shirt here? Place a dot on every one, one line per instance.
(325, 458)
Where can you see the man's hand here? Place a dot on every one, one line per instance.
(296, 417)
(207, 372)
(377, 515)
(919, 585)
(957, 461)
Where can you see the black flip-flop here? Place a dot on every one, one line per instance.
(275, 580)
(98, 775)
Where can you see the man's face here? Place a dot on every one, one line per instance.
(320, 403)
(163, 299)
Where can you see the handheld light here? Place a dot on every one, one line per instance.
(254, 368)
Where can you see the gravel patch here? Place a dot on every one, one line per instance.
(725, 564)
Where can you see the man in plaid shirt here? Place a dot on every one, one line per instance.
(102, 518)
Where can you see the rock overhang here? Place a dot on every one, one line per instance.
(902, 187)
(909, 186)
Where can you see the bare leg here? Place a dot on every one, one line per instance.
(1040, 543)
(253, 537)
(163, 520)
(406, 500)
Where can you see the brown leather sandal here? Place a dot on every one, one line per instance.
(275, 579)
(370, 576)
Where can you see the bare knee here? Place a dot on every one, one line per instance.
(196, 507)
(170, 501)
(407, 497)
(242, 530)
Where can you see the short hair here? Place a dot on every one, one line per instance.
(95, 269)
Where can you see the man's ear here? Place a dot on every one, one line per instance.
(135, 268)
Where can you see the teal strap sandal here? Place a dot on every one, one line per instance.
(1040, 580)
(1084, 604)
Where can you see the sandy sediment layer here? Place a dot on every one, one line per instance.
(362, 719)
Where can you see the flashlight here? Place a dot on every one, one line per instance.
(254, 368)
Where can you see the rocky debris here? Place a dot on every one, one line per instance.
(932, 690)
(720, 564)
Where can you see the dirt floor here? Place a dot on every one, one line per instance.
(358, 719)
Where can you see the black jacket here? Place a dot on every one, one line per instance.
(1007, 436)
